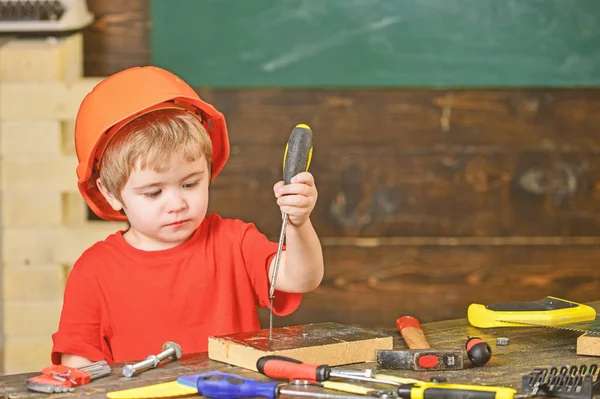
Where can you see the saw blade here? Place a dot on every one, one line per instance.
(591, 327)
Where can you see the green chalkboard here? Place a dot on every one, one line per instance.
(378, 43)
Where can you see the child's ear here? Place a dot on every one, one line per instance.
(110, 198)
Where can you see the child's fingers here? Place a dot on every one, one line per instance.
(305, 178)
(277, 187)
(297, 189)
(294, 210)
(298, 202)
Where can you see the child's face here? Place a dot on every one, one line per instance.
(165, 208)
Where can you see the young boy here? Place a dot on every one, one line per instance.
(148, 148)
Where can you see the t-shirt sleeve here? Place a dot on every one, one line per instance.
(258, 252)
(79, 329)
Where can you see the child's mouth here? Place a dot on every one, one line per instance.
(178, 223)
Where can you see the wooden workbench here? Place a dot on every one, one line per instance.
(529, 348)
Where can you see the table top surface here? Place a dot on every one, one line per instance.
(529, 348)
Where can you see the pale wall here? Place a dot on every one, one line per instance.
(42, 216)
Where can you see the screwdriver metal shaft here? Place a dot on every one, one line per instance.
(275, 270)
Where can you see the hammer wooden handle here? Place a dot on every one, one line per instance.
(411, 331)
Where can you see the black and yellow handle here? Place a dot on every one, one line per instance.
(547, 311)
(298, 152)
(434, 390)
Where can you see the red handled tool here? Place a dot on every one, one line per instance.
(282, 367)
(410, 329)
(420, 355)
(286, 368)
(478, 351)
(60, 378)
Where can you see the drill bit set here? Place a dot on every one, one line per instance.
(60, 378)
(567, 382)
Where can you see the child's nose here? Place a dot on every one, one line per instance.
(176, 202)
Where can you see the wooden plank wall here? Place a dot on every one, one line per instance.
(429, 200)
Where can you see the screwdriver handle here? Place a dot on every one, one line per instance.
(432, 390)
(282, 367)
(298, 152)
(217, 385)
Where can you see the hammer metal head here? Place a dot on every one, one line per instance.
(420, 359)
(175, 347)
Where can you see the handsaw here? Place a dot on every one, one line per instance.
(591, 327)
(548, 312)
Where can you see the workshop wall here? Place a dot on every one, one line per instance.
(45, 224)
(429, 199)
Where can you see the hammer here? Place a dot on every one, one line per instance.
(420, 355)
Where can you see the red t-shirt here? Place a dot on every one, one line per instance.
(122, 303)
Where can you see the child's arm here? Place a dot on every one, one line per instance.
(301, 264)
(74, 361)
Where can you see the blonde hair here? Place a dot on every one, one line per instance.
(152, 140)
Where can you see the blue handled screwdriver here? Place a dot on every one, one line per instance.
(217, 385)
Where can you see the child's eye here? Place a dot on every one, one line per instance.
(191, 184)
(152, 193)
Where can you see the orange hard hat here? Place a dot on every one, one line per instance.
(123, 97)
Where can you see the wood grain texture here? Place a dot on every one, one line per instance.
(551, 348)
(374, 286)
(118, 38)
(588, 345)
(508, 163)
(428, 199)
(316, 343)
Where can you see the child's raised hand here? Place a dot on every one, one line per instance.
(298, 198)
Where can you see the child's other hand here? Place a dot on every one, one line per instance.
(298, 198)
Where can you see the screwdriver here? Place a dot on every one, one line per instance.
(218, 385)
(283, 367)
(407, 388)
(296, 159)
(437, 390)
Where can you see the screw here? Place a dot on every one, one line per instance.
(169, 349)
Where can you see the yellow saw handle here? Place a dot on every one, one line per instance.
(433, 390)
(549, 311)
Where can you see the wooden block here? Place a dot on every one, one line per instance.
(588, 345)
(44, 100)
(30, 138)
(72, 242)
(320, 343)
(56, 174)
(31, 208)
(33, 283)
(67, 137)
(39, 60)
(52, 245)
(26, 354)
(29, 246)
(31, 318)
(74, 211)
